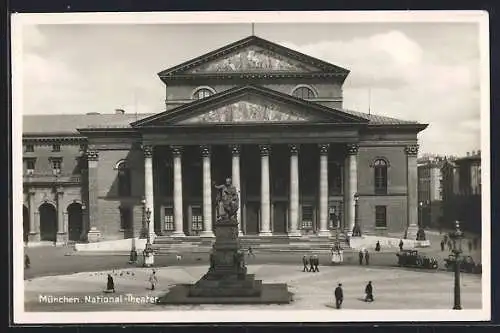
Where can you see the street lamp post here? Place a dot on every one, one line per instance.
(357, 229)
(144, 231)
(457, 236)
(148, 250)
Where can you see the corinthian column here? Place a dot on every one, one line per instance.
(148, 187)
(235, 150)
(207, 193)
(294, 191)
(323, 190)
(178, 206)
(411, 185)
(265, 198)
(352, 166)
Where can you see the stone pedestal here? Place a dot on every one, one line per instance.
(149, 259)
(411, 232)
(227, 281)
(94, 235)
(227, 275)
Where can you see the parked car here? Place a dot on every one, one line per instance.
(467, 264)
(411, 258)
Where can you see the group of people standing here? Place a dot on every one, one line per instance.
(310, 264)
(364, 254)
(339, 294)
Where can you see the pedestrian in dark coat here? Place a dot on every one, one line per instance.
(369, 292)
(360, 257)
(339, 296)
(110, 286)
(377, 246)
(442, 245)
(401, 245)
(27, 262)
(311, 264)
(305, 262)
(367, 257)
(316, 263)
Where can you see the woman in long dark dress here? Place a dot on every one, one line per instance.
(111, 284)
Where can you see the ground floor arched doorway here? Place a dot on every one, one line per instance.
(75, 221)
(26, 223)
(48, 222)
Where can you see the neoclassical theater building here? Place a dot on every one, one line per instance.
(264, 115)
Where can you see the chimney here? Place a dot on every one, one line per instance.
(119, 111)
(479, 152)
(467, 154)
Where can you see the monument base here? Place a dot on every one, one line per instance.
(269, 294)
(227, 281)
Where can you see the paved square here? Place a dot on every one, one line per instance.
(393, 289)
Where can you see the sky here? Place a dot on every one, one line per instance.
(427, 72)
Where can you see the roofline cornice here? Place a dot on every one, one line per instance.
(252, 40)
(52, 138)
(417, 126)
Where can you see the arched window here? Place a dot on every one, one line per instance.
(124, 181)
(380, 167)
(304, 92)
(203, 92)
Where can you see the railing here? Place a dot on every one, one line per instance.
(51, 178)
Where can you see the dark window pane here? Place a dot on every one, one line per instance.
(380, 216)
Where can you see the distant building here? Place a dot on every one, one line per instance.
(430, 192)
(462, 191)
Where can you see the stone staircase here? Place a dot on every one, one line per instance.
(275, 243)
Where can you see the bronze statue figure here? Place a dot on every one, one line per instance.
(227, 201)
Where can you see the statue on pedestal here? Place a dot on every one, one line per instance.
(227, 201)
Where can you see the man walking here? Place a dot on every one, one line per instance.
(339, 296)
(401, 245)
(316, 263)
(27, 262)
(153, 280)
(442, 245)
(250, 252)
(369, 292)
(311, 264)
(360, 257)
(305, 263)
(367, 257)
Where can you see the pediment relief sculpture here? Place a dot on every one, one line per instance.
(253, 58)
(248, 111)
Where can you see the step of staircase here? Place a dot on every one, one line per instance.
(275, 243)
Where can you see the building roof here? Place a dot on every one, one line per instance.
(67, 124)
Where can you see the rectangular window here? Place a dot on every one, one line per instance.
(56, 147)
(380, 217)
(29, 148)
(169, 219)
(56, 166)
(30, 166)
(196, 220)
(307, 217)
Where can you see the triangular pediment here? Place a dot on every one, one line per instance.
(250, 109)
(253, 55)
(253, 59)
(248, 105)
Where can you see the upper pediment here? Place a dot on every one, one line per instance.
(253, 56)
(248, 105)
(253, 59)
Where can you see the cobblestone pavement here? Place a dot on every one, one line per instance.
(55, 260)
(393, 288)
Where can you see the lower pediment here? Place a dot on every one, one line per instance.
(250, 109)
(248, 105)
